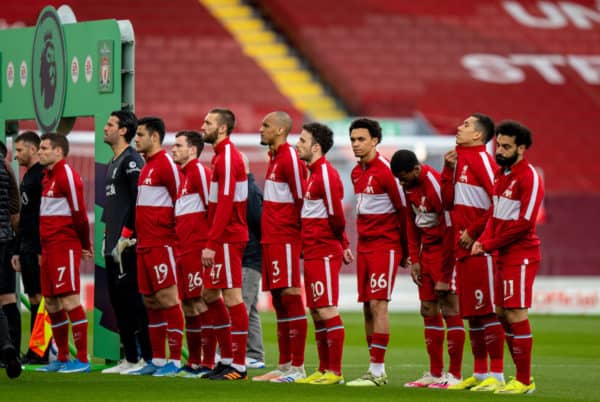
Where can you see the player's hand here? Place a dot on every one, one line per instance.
(415, 273)
(208, 257)
(465, 240)
(87, 254)
(477, 249)
(450, 159)
(122, 244)
(15, 261)
(348, 257)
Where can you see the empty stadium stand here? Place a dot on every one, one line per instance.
(395, 58)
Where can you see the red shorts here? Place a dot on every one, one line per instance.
(475, 283)
(226, 273)
(436, 267)
(376, 273)
(514, 283)
(322, 281)
(189, 275)
(59, 272)
(281, 266)
(156, 269)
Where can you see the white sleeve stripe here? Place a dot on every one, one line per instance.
(488, 167)
(204, 182)
(296, 173)
(436, 185)
(398, 185)
(227, 168)
(175, 172)
(327, 187)
(72, 190)
(534, 194)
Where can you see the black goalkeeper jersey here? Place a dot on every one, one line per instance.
(28, 236)
(121, 193)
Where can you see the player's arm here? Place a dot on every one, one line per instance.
(72, 187)
(224, 206)
(447, 179)
(132, 173)
(296, 175)
(532, 194)
(485, 176)
(396, 194)
(334, 195)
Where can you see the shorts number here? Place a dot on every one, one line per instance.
(215, 271)
(380, 283)
(479, 297)
(195, 280)
(61, 273)
(276, 269)
(509, 288)
(317, 289)
(161, 272)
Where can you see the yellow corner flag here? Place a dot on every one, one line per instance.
(42, 331)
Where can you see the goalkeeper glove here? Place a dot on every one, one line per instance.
(122, 244)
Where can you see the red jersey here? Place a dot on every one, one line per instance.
(158, 185)
(323, 221)
(191, 208)
(63, 216)
(427, 221)
(283, 196)
(380, 206)
(228, 197)
(467, 192)
(518, 195)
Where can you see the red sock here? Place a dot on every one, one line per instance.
(60, 331)
(456, 343)
(193, 334)
(157, 329)
(369, 341)
(321, 340)
(508, 335)
(298, 327)
(494, 341)
(79, 326)
(239, 332)
(335, 343)
(283, 330)
(478, 347)
(522, 346)
(209, 340)
(378, 347)
(222, 328)
(434, 341)
(175, 325)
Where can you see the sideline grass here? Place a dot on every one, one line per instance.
(566, 366)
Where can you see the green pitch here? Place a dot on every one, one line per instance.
(566, 366)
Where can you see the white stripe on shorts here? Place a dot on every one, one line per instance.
(288, 261)
(227, 261)
(490, 268)
(328, 288)
(390, 274)
(72, 268)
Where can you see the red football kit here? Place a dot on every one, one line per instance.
(428, 224)
(280, 223)
(191, 225)
(64, 230)
(518, 195)
(323, 234)
(467, 192)
(158, 185)
(380, 223)
(228, 232)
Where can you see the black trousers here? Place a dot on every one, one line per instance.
(128, 305)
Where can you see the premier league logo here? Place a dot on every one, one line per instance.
(48, 61)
